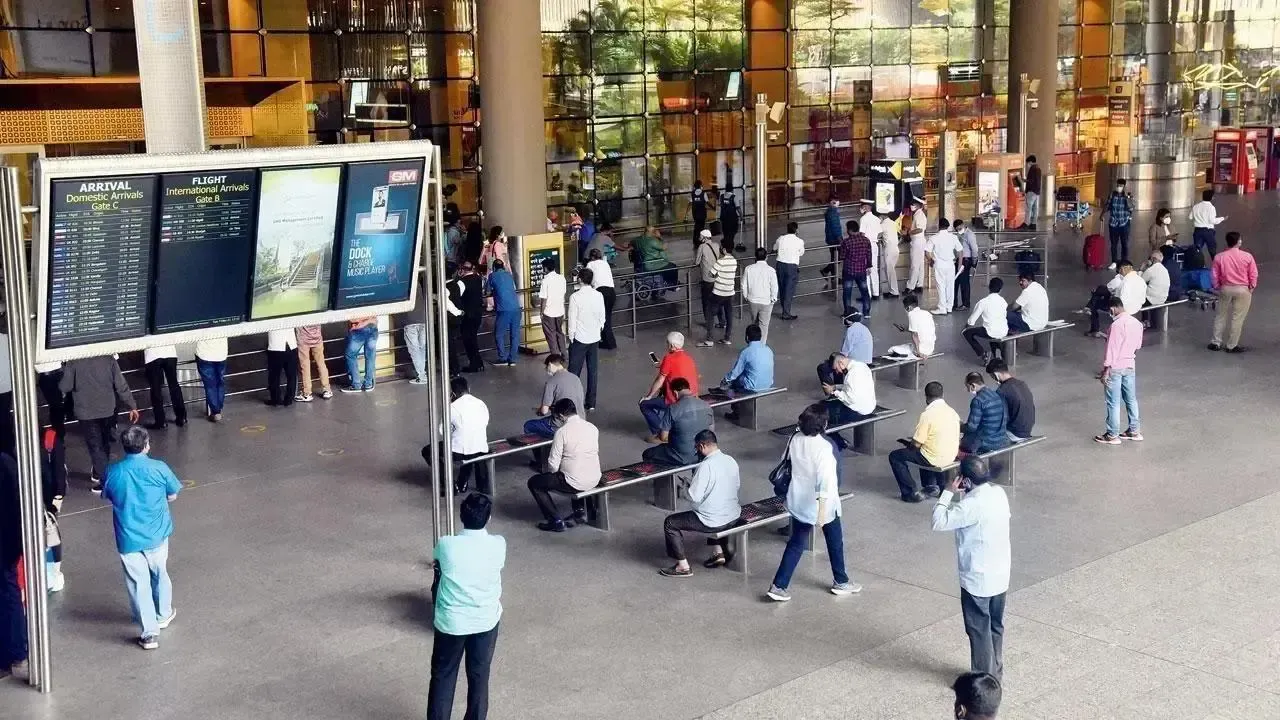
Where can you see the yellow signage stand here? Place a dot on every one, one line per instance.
(533, 249)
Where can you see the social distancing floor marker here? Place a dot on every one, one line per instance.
(252, 429)
(330, 452)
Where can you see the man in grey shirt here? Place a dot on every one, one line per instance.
(714, 494)
(687, 416)
(97, 388)
(560, 384)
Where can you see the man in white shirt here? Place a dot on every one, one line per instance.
(920, 325)
(915, 279)
(980, 520)
(760, 291)
(469, 436)
(552, 291)
(1031, 310)
(573, 465)
(1156, 276)
(282, 357)
(602, 280)
(888, 250)
(211, 363)
(1204, 216)
(586, 325)
(789, 248)
(714, 495)
(1128, 285)
(161, 364)
(988, 321)
(869, 225)
(853, 399)
(943, 248)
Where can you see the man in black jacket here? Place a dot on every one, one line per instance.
(13, 621)
(1020, 406)
(472, 314)
(98, 390)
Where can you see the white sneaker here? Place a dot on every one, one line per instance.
(326, 395)
(419, 381)
(848, 588)
(302, 398)
(705, 343)
(164, 623)
(1112, 266)
(57, 581)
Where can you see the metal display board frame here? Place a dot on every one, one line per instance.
(49, 170)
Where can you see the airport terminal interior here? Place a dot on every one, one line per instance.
(1145, 584)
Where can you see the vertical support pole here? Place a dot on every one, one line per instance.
(26, 428)
(432, 288)
(170, 73)
(441, 435)
(762, 174)
(634, 321)
(688, 316)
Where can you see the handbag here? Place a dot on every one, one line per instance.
(780, 476)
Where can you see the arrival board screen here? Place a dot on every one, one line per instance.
(380, 227)
(293, 258)
(99, 258)
(206, 242)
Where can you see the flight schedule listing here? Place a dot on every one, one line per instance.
(205, 249)
(100, 258)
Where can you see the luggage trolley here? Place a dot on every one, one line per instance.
(1070, 209)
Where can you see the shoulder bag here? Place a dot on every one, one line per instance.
(780, 476)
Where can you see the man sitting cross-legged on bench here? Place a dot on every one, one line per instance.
(572, 466)
(935, 443)
(1030, 310)
(714, 494)
(753, 372)
(853, 399)
(921, 326)
(684, 419)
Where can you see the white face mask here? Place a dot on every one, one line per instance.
(1167, 221)
(1119, 188)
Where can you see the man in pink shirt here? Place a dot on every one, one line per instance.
(1118, 375)
(1235, 277)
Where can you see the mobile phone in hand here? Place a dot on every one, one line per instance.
(900, 328)
(653, 357)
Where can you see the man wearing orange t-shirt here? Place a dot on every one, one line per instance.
(675, 364)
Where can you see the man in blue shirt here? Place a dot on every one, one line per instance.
(753, 371)
(506, 307)
(857, 346)
(468, 593)
(140, 489)
(986, 427)
(1119, 212)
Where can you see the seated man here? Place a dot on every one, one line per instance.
(857, 346)
(1031, 310)
(1128, 285)
(853, 399)
(1156, 276)
(923, 331)
(988, 321)
(985, 429)
(935, 443)
(1019, 406)
(687, 417)
(572, 466)
(651, 257)
(753, 371)
(714, 495)
(560, 384)
(675, 364)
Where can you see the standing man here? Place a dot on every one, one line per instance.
(472, 316)
(1031, 191)
(855, 263)
(282, 357)
(869, 225)
(1235, 277)
(551, 293)
(602, 281)
(162, 368)
(1030, 310)
(507, 314)
(1119, 212)
(1119, 375)
(789, 248)
(722, 292)
(698, 208)
(915, 279)
(988, 321)
(468, 594)
(97, 389)
(211, 363)
(362, 338)
(833, 233)
(415, 342)
(728, 217)
(572, 467)
(889, 240)
(1204, 216)
(944, 248)
(968, 256)
(469, 435)
(935, 443)
(980, 521)
(713, 492)
(13, 619)
(140, 489)
(586, 324)
(705, 258)
(760, 291)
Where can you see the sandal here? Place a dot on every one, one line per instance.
(715, 561)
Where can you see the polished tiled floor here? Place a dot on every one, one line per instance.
(1146, 583)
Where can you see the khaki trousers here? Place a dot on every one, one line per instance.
(1233, 306)
(305, 355)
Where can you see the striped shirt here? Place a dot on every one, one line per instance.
(725, 271)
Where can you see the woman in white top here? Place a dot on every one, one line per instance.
(602, 280)
(813, 498)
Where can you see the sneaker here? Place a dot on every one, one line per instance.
(914, 497)
(149, 642)
(1214, 347)
(715, 561)
(57, 581)
(846, 588)
(932, 491)
(1236, 349)
(938, 311)
(1112, 266)
(1133, 435)
(675, 572)
(726, 342)
(166, 622)
(216, 417)
(778, 594)
(705, 343)
(556, 526)
(302, 398)
(95, 486)
(1107, 439)
(419, 381)
(351, 389)
(326, 394)
(367, 388)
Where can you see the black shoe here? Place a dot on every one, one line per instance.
(1214, 347)
(913, 498)
(556, 526)
(181, 422)
(931, 491)
(461, 488)
(1236, 349)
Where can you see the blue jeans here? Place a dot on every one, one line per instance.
(788, 276)
(506, 330)
(1015, 322)
(1122, 385)
(150, 591)
(653, 410)
(13, 621)
(415, 341)
(213, 377)
(834, 537)
(864, 294)
(540, 426)
(366, 339)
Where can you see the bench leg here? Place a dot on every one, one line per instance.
(746, 414)
(598, 511)
(1042, 344)
(737, 546)
(909, 376)
(664, 492)
(1009, 351)
(492, 466)
(1164, 319)
(864, 439)
(1009, 467)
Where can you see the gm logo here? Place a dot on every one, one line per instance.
(403, 177)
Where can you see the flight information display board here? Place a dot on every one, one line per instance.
(100, 245)
(380, 230)
(206, 243)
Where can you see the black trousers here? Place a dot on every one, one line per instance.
(470, 327)
(607, 340)
(679, 523)
(8, 431)
(447, 653)
(974, 334)
(59, 404)
(97, 438)
(1099, 303)
(699, 222)
(161, 372)
(543, 484)
(479, 471)
(590, 354)
(722, 308)
(455, 346)
(962, 292)
(282, 361)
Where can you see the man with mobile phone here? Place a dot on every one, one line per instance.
(675, 364)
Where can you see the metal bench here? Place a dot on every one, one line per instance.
(502, 448)
(864, 429)
(908, 368)
(1042, 341)
(1163, 313)
(946, 470)
(746, 402)
(663, 478)
(758, 514)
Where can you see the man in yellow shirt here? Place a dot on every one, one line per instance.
(935, 443)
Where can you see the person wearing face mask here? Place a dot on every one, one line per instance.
(714, 495)
(1119, 212)
(573, 465)
(986, 428)
(560, 384)
(1204, 217)
(495, 248)
(1160, 233)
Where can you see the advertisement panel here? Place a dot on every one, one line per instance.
(380, 229)
(293, 256)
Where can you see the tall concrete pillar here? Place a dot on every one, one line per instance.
(169, 64)
(513, 150)
(1159, 45)
(1033, 50)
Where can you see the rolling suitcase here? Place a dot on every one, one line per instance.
(1095, 252)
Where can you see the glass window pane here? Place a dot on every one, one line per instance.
(930, 12)
(288, 53)
(566, 54)
(718, 50)
(435, 103)
(927, 116)
(675, 171)
(619, 95)
(891, 83)
(890, 47)
(380, 56)
(223, 54)
(669, 92)
(1128, 39)
(810, 86)
(849, 16)
(52, 52)
(717, 14)
(1000, 43)
(768, 49)
(449, 55)
(1129, 11)
(964, 13)
(1067, 73)
(666, 15)
(116, 53)
(964, 45)
(891, 13)
(565, 12)
(720, 130)
(924, 81)
(617, 52)
(889, 118)
(295, 16)
(566, 140)
(566, 95)
(851, 47)
(810, 14)
(671, 133)
(1067, 41)
(669, 52)
(718, 90)
(617, 16)
(851, 85)
(619, 136)
(811, 48)
(1001, 13)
